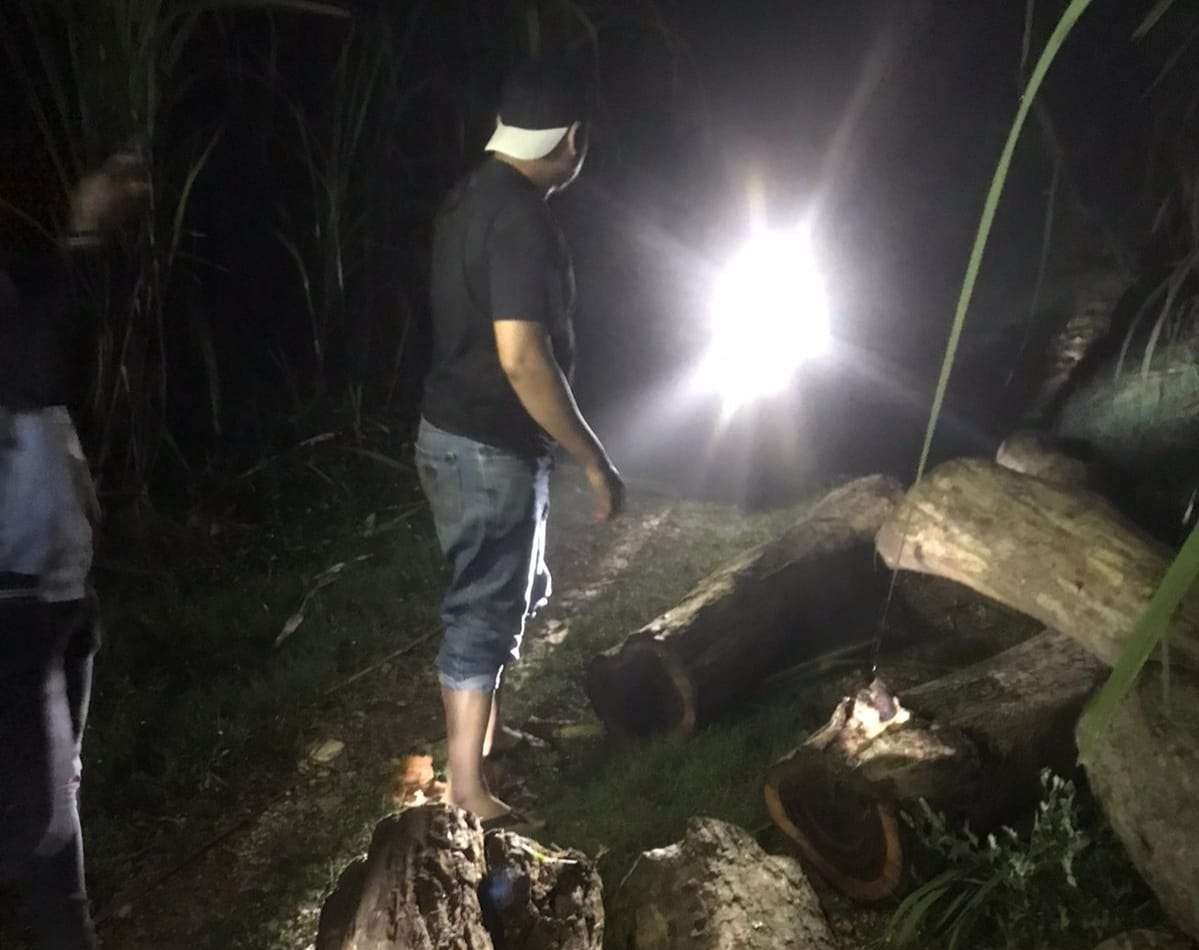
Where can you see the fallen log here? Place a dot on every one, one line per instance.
(972, 744)
(1144, 770)
(1062, 555)
(731, 630)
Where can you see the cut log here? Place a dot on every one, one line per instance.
(1144, 770)
(417, 889)
(716, 890)
(431, 880)
(1041, 456)
(731, 630)
(1064, 556)
(541, 898)
(972, 744)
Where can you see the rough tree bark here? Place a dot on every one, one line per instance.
(1062, 555)
(540, 898)
(1040, 455)
(432, 881)
(417, 889)
(972, 744)
(1145, 772)
(677, 671)
(716, 890)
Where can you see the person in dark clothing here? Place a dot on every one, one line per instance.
(48, 615)
(497, 399)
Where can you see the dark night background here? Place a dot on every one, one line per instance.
(888, 116)
(249, 415)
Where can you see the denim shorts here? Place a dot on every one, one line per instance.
(489, 508)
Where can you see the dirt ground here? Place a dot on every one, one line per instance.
(246, 859)
(255, 876)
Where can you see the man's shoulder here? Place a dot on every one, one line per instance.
(491, 194)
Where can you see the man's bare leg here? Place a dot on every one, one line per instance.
(500, 738)
(494, 726)
(468, 723)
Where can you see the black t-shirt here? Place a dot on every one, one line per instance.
(497, 254)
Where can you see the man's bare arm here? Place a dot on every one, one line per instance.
(527, 359)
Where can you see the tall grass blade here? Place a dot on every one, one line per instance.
(181, 204)
(1042, 266)
(1064, 25)
(1160, 9)
(1151, 629)
(1172, 61)
(1177, 279)
(913, 912)
(292, 6)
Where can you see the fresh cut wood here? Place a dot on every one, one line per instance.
(972, 744)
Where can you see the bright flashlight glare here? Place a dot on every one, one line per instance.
(769, 315)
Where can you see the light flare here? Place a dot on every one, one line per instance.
(769, 315)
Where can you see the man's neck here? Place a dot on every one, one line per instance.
(535, 171)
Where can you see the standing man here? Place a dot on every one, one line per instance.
(48, 618)
(497, 398)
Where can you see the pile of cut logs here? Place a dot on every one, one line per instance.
(1028, 531)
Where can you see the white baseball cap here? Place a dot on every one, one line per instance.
(539, 103)
(527, 144)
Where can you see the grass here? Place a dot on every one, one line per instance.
(619, 804)
(1062, 881)
(613, 800)
(189, 686)
(199, 720)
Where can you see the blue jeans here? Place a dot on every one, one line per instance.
(490, 509)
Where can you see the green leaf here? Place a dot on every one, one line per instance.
(1159, 10)
(1151, 629)
(913, 913)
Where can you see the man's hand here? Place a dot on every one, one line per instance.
(608, 487)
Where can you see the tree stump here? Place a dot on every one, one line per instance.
(716, 889)
(417, 889)
(541, 898)
(1145, 772)
(972, 744)
(802, 588)
(1062, 555)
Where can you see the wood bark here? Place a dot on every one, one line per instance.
(799, 591)
(973, 747)
(716, 889)
(541, 898)
(417, 889)
(1039, 455)
(1062, 555)
(1144, 769)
